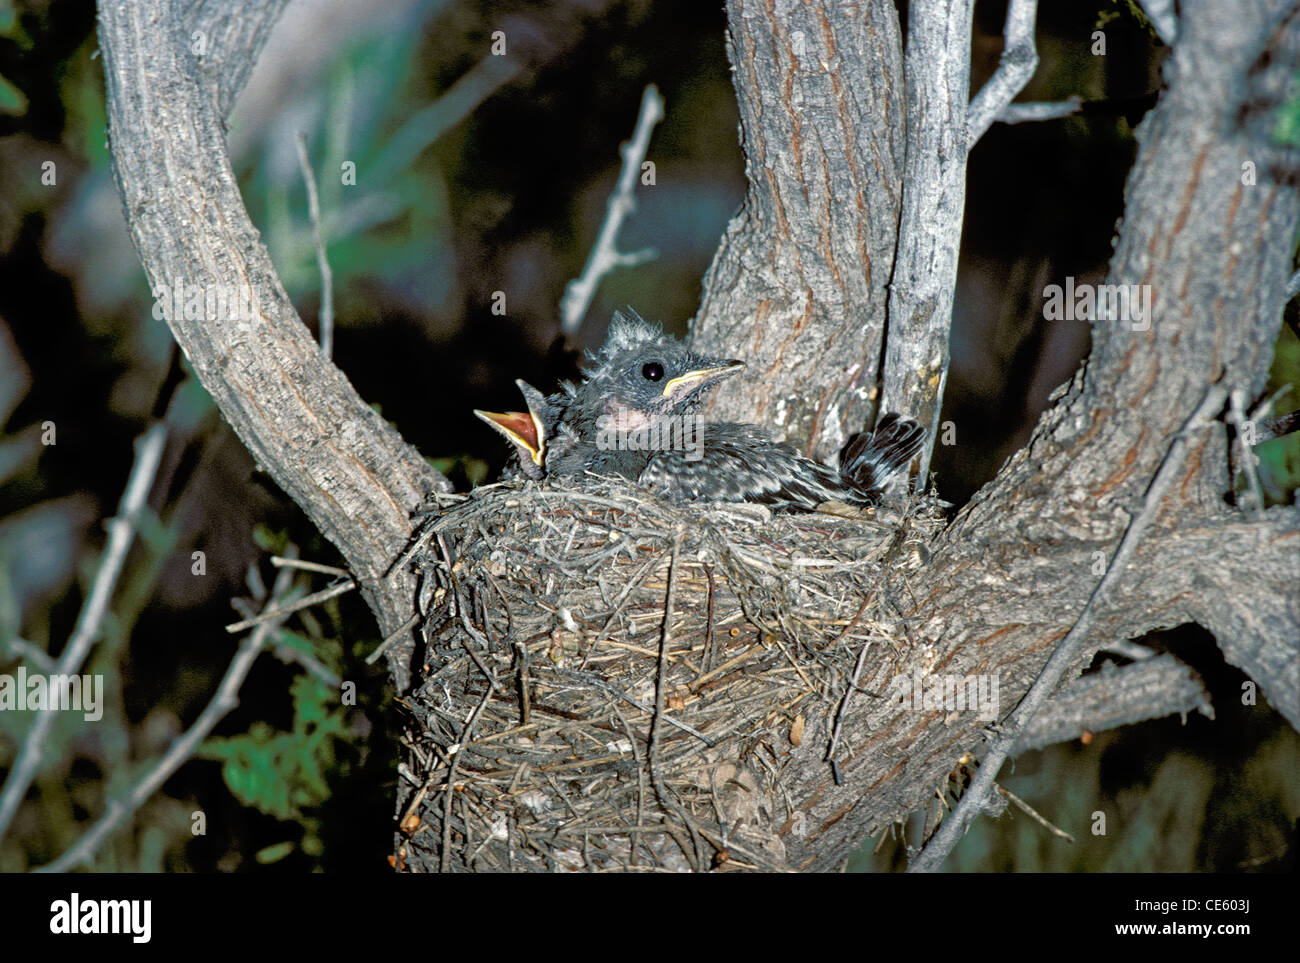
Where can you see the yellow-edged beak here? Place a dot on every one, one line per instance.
(685, 384)
(520, 427)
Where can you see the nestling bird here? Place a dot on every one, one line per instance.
(527, 430)
(634, 415)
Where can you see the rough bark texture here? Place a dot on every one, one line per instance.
(934, 198)
(1115, 697)
(295, 411)
(798, 288)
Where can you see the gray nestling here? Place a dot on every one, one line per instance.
(634, 414)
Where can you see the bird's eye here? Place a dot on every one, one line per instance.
(652, 371)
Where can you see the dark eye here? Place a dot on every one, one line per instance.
(652, 371)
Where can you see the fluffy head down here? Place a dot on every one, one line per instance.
(640, 372)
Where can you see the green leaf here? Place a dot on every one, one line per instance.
(281, 773)
(274, 853)
(1287, 129)
(12, 100)
(273, 540)
(293, 640)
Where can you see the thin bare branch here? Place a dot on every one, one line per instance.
(223, 700)
(1130, 650)
(1030, 112)
(280, 562)
(1246, 458)
(656, 727)
(1033, 814)
(1018, 63)
(322, 262)
(306, 602)
(605, 256)
(392, 637)
(456, 752)
(121, 533)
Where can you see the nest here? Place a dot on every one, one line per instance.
(608, 681)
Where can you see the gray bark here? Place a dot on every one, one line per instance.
(934, 197)
(1113, 697)
(798, 287)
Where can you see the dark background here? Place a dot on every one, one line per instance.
(507, 199)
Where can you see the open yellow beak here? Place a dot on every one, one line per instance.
(520, 427)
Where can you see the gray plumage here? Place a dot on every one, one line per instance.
(634, 414)
(638, 380)
(742, 463)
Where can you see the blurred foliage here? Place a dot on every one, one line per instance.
(1287, 129)
(1175, 811)
(1126, 8)
(12, 100)
(1279, 459)
(390, 235)
(284, 773)
(39, 545)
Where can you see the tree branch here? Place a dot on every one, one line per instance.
(605, 255)
(322, 261)
(1010, 575)
(231, 41)
(929, 231)
(1151, 689)
(1031, 112)
(1017, 66)
(296, 413)
(1067, 651)
(121, 533)
(223, 700)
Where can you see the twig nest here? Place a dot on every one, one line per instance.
(584, 720)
